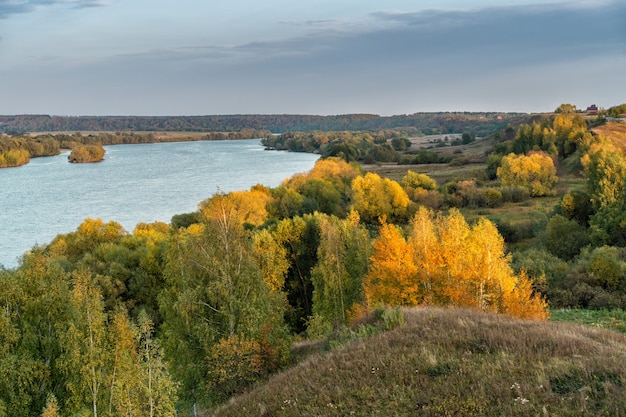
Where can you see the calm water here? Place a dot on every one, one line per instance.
(135, 183)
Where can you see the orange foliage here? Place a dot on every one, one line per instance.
(445, 261)
(522, 303)
(392, 278)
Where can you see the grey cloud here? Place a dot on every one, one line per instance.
(434, 59)
(317, 23)
(12, 7)
(85, 4)
(486, 38)
(514, 34)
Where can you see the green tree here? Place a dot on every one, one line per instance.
(342, 263)
(565, 238)
(566, 108)
(86, 358)
(216, 290)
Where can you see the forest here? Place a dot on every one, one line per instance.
(172, 318)
(480, 124)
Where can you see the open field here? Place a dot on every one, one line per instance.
(601, 319)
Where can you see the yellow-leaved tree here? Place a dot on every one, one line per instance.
(447, 262)
(392, 278)
(535, 171)
(376, 197)
(427, 254)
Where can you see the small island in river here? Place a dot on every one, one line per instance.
(86, 153)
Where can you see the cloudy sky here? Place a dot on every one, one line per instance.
(194, 57)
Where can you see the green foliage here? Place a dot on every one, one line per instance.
(576, 205)
(338, 275)
(493, 163)
(597, 280)
(215, 292)
(184, 220)
(617, 111)
(604, 319)
(548, 269)
(566, 108)
(300, 237)
(606, 176)
(467, 193)
(565, 238)
(559, 136)
(400, 144)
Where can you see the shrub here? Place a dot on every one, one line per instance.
(565, 238)
(515, 194)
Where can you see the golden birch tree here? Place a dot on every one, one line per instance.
(392, 277)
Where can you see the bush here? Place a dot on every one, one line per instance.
(565, 238)
(515, 194)
(518, 232)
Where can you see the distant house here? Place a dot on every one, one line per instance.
(593, 109)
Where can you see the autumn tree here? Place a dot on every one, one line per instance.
(605, 167)
(52, 407)
(375, 197)
(392, 277)
(249, 206)
(535, 171)
(33, 303)
(326, 187)
(447, 262)
(427, 251)
(417, 180)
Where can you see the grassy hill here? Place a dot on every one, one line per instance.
(454, 362)
(615, 131)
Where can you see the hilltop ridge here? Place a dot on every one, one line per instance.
(453, 362)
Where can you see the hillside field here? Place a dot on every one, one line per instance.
(454, 362)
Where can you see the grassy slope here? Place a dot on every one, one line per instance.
(453, 362)
(615, 131)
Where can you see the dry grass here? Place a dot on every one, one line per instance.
(454, 362)
(615, 131)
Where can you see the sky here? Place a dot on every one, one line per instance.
(202, 57)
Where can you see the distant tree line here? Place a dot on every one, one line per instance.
(479, 124)
(368, 147)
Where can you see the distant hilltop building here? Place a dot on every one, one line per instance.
(593, 109)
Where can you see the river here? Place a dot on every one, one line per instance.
(134, 183)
